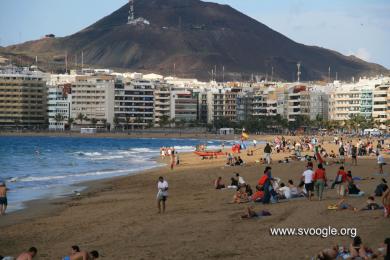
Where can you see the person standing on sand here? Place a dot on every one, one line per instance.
(3, 198)
(307, 177)
(381, 162)
(319, 179)
(29, 255)
(267, 153)
(162, 194)
(354, 155)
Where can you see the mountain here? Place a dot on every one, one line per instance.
(195, 36)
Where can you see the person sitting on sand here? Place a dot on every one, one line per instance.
(332, 154)
(357, 249)
(248, 190)
(83, 255)
(284, 192)
(371, 204)
(341, 205)
(74, 250)
(386, 203)
(240, 196)
(381, 188)
(294, 189)
(240, 180)
(29, 255)
(218, 183)
(3, 198)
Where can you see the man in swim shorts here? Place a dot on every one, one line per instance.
(3, 198)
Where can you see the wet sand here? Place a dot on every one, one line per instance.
(118, 217)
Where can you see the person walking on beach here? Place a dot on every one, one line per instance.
(319, 179)
(307, 177)
(29, 255)
(354, 155)
(267, 153)
(381, 162)
(3, 198)
(162, 194)
(386, 202)
(341, 182)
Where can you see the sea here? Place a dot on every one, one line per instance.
(49, 167)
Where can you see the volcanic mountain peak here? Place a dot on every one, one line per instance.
(196, 36)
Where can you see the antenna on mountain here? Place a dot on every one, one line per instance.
(130, 18)
(223, 74)
(336, 75)
(174, 69)
(36, 61)
(215, 71)
(75, 58)
(272, 74)
(329, 74)
(299, 71)
(82, 60)
(66, 63)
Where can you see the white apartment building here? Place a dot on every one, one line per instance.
(58, 106)
(162, 103)
(265, 102)
(93, 97)
(184, 105)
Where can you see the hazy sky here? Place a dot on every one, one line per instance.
(360, 27)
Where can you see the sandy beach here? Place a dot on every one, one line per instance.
(118, 217)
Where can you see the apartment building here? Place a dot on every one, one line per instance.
(184, 104)
(58, 106)
(162, 103)
(345, 102)
(93, 97)
(265, 102)
(22, 98)
(134, 103)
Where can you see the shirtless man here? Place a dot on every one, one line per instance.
(29, 255)
(3, 198)
(83, 255)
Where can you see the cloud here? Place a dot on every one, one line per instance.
(362, 53)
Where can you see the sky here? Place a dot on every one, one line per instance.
(358, 27)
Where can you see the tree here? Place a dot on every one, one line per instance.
(116, 122)
(94, 121)
(81, 117)
(58, 118)
(172, 122)
(164, 120)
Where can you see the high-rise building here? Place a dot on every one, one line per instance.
(93, 101)
(22, 98)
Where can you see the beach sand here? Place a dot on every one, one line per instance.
(118, 217)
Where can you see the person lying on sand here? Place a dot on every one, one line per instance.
(341, 205)
(29, 255)
(251, 213)
(328, 253)
(83, 255)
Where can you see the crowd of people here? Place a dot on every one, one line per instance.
(172, 154)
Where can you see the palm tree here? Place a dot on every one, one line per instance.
(70, 122)
(81, 117)
(164, 120)
(58, 118)
(116, 121)
(172, 122)
(94, 121)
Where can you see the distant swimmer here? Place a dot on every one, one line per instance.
(37, 152)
